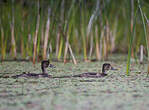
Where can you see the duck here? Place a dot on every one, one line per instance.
(105, 67)
(44, 64)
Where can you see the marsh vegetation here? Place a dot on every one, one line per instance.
(76, 36)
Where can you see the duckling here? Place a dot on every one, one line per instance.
(45, 64)
(105, 68)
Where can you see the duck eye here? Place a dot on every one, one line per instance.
(108, 67)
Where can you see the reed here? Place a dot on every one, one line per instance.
(60, 49)
(3, 44)
(144, 28)
(92, 28)
(13, 42)
(84, 46)
(98, 56)
(36, 35)
(130, 45)
(46, 35)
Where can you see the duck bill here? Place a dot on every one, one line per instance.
(51, 66)
(113, 68)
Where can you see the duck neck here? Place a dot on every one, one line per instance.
(103, 71)
(43, 70)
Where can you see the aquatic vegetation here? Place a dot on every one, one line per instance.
(74, 93)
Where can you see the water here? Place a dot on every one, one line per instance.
(115, 91)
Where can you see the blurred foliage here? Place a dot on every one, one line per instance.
(71, 18)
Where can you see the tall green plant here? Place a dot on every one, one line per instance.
(144, 27)
(130, 44)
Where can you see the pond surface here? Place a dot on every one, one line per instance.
(113, 92)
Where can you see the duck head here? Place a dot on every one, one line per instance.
(45, 64)
(106, 67)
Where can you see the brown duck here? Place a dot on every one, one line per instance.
(44, 64)
(106, 67)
